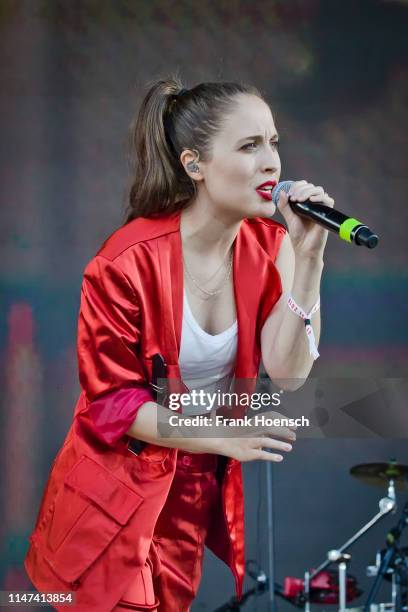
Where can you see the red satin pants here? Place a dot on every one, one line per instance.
(171, 576)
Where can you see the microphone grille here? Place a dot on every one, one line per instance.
(285, 185)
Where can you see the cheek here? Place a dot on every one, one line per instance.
(231, 177)
(241, 174)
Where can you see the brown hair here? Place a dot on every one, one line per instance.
(165, 125)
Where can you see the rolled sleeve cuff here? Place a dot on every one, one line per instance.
(111, 415)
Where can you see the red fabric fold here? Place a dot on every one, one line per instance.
(112, 414)
(111, 372)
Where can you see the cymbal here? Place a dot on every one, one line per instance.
(379, 474)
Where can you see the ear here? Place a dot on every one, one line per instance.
(190, 159)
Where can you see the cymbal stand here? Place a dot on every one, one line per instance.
(386, 505)
(393, 538)
(341, 559)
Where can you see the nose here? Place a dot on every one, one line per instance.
(270, 161)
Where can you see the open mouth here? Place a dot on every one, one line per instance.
(265, 191)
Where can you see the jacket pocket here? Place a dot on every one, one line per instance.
(89, 510)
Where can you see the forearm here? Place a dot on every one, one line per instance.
(286, 352)
(145, 428)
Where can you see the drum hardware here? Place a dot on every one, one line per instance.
(321, 586)
(382, 607)
(323, 589)
(398, 564)
(256, 573)
(390, 559)
(386, 505)
(262, 584)
(377, 474)
(392, 473)
(335, 556)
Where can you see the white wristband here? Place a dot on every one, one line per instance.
(306, 317)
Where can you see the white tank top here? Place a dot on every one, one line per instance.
(206, 361)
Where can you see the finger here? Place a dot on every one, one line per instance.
(325, 198)
(277, 444)
(307, 192)
(325, 195)
(277, 415)
(268, 442)
(281, 432)
(283, 196)
(283, 203)
(285, 433)
(265, 456)
(296, 188)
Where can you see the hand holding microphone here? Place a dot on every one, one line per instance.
(303, 205)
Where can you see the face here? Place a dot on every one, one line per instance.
(244, 156)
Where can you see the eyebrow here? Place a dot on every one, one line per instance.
(258, 137)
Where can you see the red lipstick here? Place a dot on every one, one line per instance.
(265, 190)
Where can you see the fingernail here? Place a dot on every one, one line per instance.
(288, 447)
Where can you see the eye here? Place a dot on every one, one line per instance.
(250, 144)
(274, 143)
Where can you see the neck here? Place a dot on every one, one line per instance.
(204, 231)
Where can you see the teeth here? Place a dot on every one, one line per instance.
(268, 188)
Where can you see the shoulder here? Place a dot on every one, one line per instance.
(268, 233)
(139, 230)
(115, 260)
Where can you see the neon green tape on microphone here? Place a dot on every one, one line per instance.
(347, 227)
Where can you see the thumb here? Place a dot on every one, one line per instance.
(283, 202)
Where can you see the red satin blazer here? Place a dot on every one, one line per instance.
(101, 502)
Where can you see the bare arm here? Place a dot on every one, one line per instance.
(285, 349)
(242, 448)
(144, 427)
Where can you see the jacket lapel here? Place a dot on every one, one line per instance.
(246, 290)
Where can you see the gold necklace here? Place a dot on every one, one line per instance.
(217, 291)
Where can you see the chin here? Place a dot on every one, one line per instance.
(264, 210)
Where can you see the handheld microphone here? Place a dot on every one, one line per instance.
(347, 228)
